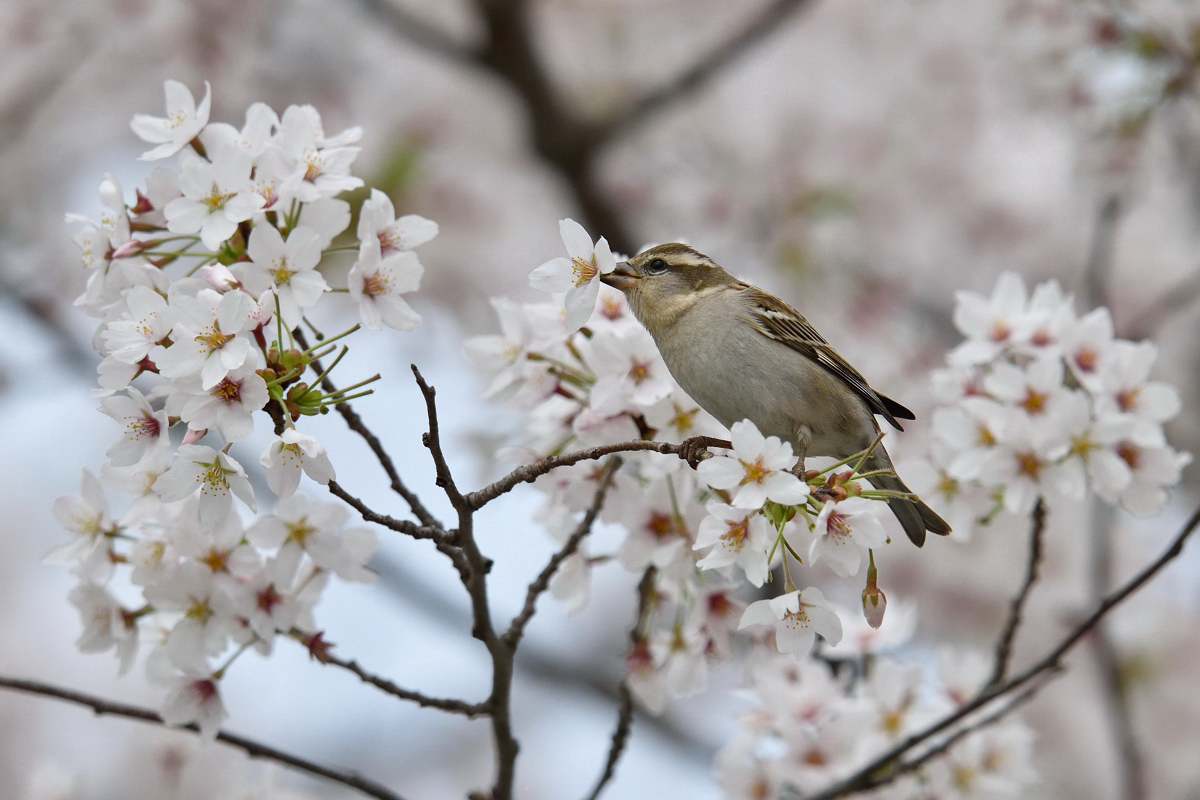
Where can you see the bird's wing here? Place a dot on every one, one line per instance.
(777, 320)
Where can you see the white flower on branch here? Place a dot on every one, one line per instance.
(301, 525)
(253, 138)
(797, 617)
(145, 430)
(377, 220)
(736, 536)
(287, 456)
(195, 698)
(843, 530)
(991, 323)
(757, 469)
(205, 336)
(377, 283)
(217, 195)
(318, 167)
(106, 626)
(227, 407)
(87, 517)
(183, 122)
(148, 322)
(578, 274)
(214, 474)
(289, 268)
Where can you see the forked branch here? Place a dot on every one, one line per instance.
(252, 748)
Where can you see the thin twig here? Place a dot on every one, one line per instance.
(404, 526)
(433, 441)
(944, 746)
(712, 63)
(889, 760)
(252, 748)
(1113, 689)
(470, 710)
(356, 424)
(1005, 642)
(646, 588)
(619, 738)
(539, 585)
(531, 472)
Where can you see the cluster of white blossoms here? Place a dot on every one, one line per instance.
(201, 285)
(1043, 403)
(811, 725)
(593, 376)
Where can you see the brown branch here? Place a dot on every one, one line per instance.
(619, 738)
(254, 749)
(404, 526)
(355, 423)
(433, 441)
(419, 32)
(692, 79)
(1131, 766)
(531, 472)
(944, 746)
(513, 635)
(322, 654)
(1005, 642)
(620, 735)
(889, 760)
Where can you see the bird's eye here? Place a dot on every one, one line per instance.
(656, 266)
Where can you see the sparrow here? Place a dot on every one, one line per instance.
(742, 353)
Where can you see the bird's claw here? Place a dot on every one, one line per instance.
(695, 449)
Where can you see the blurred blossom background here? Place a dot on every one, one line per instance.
(862, 159)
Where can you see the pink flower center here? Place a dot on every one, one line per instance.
(227, 391)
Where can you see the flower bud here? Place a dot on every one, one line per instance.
(130, 248)
(219, 277)
(193, 435)
(874, 604)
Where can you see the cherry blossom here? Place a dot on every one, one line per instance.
(292, 452)
(217, 195)
(226, 407)
(195, 699)
(798, 617)
(377, 219)
(183, 122)
(214, 474)
(757, 469)
(205, 336)
(148, 322)
(843, 529)
(578, 274)
(106, 625)
(736, 536)
(319, 167)
(289, 268)
(377, 283)
(991, 324)
(144, 428)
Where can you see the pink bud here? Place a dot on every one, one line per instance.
(130, 248)
(874, 604)
(219, 277)
(193, 435)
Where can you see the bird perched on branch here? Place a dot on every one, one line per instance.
(742, 353)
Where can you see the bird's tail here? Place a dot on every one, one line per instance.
(915, 517)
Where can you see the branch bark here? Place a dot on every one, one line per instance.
(1005, 642)
(540, 584)
(252, 748)
(531, 472)
(469, 710)
(887, 762)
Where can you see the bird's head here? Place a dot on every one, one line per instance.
(662, 282)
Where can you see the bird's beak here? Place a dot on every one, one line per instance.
(623, 277)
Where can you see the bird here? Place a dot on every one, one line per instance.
(743, 354)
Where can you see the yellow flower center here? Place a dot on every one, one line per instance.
(583, 271)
